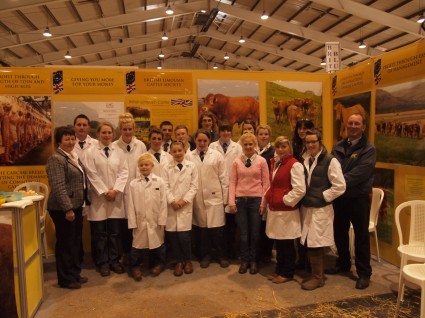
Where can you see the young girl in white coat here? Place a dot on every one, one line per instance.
(212, 196)
(181, 178)
(107, 171)
(147, 216)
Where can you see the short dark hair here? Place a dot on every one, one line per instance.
(316, 132)
(165, 123)
(81, 116)
(203, 131)
(155, 130)
(63, 131)
(225, 127)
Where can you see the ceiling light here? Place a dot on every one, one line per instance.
(159, 67)
(241, 40)
(264, 16)
(67, 55)
(169, 10)
(226, 57)
(323, 63)
(46, 32)
(421, 19)
(215, 66)
(164, 37)
(161, 55)
(362, 45)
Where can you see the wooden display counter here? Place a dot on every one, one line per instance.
(27, 260)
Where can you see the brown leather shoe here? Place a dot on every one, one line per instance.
(157, 270)
(188, 268)
(243, 268)
(117, 268)
(105, 271)
(178, 270)
(136, 273)
(253, 269)
(280, 279)
(271, 276)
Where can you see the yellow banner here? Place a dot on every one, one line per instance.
(178, 83)
(25, 81)
(150, 110)
(11, 177)
(400, 65)
(99, 81)
(353, 79)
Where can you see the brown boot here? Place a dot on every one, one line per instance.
(316, 279)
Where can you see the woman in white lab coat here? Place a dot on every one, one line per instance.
(230, 151)
(212, 196)
(107, 171)
(181, 178)
(325, 182)
(133, 148)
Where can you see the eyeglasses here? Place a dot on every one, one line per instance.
(311, 142)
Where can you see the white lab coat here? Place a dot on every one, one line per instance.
(213, 189)
(317, 223)
(147, 211)
(159, 167)
(137, 147)
(180, 185)
(105, 173)
(234, 150)
(82, 152)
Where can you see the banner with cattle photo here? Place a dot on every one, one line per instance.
(231, 101)
(346, 106)
(150, 110)
(288, 102)
(400, 123)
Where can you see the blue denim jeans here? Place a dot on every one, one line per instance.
(249, 221)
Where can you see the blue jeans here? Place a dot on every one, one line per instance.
(249, 221)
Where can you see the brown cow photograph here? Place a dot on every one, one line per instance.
(400, 123)
(346, 106)
(288, 102)
(230, 101)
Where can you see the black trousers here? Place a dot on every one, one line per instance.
(232, 250)
(209, 238)
(156, 256)
(68, 245)
(180, 243)
(355, 211)
(285, 256)
(126, 236)
(107, 241)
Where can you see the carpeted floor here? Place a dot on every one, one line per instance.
(379, 306)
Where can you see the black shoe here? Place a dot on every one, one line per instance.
(253, 269)
(337, 270)
(224, 263)
(105, 271)
(362, 283)
(205, 263)
(73, 285)
(243, 268)
(83, 280)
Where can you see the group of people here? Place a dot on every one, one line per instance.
(203, 187)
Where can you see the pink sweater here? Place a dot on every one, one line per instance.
(248, 182)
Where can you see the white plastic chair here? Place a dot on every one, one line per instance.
(377, 198)
(42, 189)
(414, 273)
(414, 249)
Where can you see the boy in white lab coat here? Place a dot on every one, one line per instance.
(147, 216)
(181, 177)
